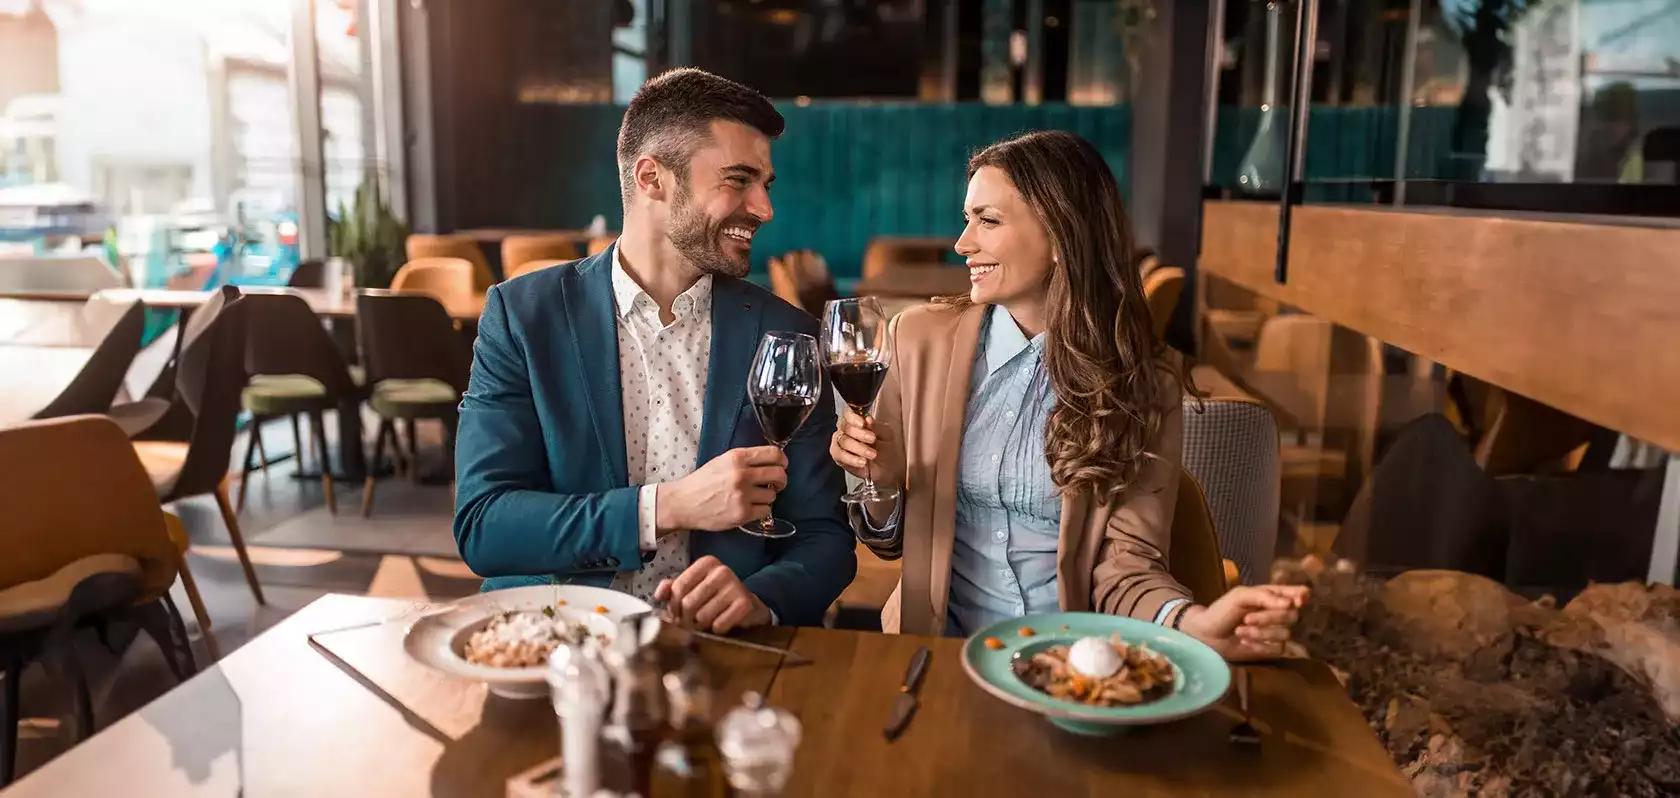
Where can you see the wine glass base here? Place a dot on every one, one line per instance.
(869, 494)
(770, 528)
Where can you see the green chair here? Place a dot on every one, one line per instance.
(296, 371)
(417, 367)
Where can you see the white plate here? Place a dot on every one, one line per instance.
(438, 639)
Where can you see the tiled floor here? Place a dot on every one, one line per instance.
(301, 552)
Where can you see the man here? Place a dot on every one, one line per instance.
(606, 437)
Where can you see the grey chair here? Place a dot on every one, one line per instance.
(1231, 448)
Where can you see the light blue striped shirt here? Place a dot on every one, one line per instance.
(1003, 562)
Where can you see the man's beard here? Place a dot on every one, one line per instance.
(697, 238)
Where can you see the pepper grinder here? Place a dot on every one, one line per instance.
(580, 687)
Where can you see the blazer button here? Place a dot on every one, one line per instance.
(612, 562)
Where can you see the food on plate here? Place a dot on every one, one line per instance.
(522, 639)
(1025, 631)
(602, 610)
(1099, 672)
(994, 643)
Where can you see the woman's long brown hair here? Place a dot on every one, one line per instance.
(1108, 369)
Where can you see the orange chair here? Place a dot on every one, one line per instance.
(449, 280)
(600, 244)
(885, 252)
(1161, 289)
(440, 246)
(520, 250)
(535, 266)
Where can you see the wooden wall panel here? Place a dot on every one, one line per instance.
(1581, 316)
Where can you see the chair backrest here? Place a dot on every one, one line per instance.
(534, 266)
(1231, 448)
(74, 488)
(600, 244)
(284, 336)
(783, 282)
(309, 274)
(211, 377)
(448, 279)
(409, 337)
(1193, 553)
(519, 250)
(1161, 289)
(885, 253)
(96, 385)
(443, 246)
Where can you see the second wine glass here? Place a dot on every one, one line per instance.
(858, 354)
(784, 384)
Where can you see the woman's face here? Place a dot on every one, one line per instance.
(1008, 250)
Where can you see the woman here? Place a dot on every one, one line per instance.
(1035, 424)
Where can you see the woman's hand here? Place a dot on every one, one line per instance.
(1247, 622)
(854, 445)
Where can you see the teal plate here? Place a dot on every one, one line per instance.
(1202, 676)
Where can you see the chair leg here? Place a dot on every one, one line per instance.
(318, 419)
(449, 423)
(262, 451)
(178, 629)
(413, 451)
(199, 613)
(9, 712)
(154, 620)
(255, 433)
(297, 442)
(238, 539)
(386, 430)
(71, 666)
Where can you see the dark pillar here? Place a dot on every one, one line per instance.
(1168, 126)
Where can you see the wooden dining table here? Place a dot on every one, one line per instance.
(348, 713)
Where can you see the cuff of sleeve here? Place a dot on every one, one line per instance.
(1167, 610)
(647, 506)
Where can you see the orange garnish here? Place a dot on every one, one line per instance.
(1064, 627)
(994, 643)
(1025, 631)
(562, 603)
(602, 610)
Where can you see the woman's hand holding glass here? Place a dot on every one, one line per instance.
(866, 450)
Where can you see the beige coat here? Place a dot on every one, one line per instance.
(1111, 558)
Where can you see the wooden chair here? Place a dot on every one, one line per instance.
(207, 390)
(600, 244)
(417, 369)
(1194, 551)
(86, 544)
(450, 280)
(421, 246)
(1161, 289)
(1231, 448)
(534, 266)
(519, 250)
(295, 371)
(118, 327)
(802, 278)
(886, 252)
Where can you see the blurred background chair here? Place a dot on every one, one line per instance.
(534, 266)
(117, 327)
(450, 280)
(446, 246)
(86, 544)
(309, 274)
(1194, 546)
(886, 252)
(207, 391)
(519, 250)
(1161, 289)
(71, 274)
(295, 371)
(417, 368)
(1231, 448)
(801, 277)
(600, 244)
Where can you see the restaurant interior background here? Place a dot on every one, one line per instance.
(1452, 277)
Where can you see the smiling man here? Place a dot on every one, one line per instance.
(606, 436)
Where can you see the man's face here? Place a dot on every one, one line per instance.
(720, 203)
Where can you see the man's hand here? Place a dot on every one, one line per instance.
(735, 487)
(1247, 622)
(710, 596)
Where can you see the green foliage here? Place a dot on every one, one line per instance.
(369, 236)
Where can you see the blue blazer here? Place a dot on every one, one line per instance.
(542, 494)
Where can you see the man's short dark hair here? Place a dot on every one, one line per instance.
(671, 116)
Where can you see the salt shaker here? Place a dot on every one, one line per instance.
(757, 743)
(581, 687)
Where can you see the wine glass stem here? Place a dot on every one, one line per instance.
(768, 522)
(868, 472)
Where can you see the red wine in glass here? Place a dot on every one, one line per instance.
(855, 347)
(783, 384)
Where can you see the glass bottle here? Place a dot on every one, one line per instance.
(757, 743)
(636, 721)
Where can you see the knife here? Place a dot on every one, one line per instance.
(904, 706)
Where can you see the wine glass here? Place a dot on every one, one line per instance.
(856, 350)
(783, 385)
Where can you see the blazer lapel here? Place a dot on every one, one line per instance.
(594, 327)
(736, 320)
(965, 338)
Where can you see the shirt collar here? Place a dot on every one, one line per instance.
(627, 293)
(1004, 340)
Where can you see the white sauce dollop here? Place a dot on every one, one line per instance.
(1094, 657)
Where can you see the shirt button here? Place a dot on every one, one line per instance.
(996, 457)
(1004, 573)
(1001, 534)
(1010, 414)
